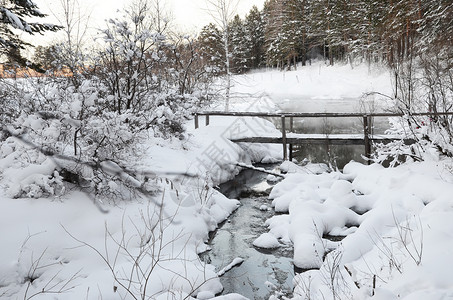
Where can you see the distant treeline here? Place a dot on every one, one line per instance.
(287, 32)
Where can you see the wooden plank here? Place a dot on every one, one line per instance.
(285, 150)
(291, 126)
(315, 115)
(299, 141)
(317, 141)
(196, 121)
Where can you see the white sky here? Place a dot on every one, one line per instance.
(189, 15)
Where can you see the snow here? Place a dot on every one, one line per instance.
(267, 241)
(15, 21)
(231, 296)
(305, 90)
(237, 261)
(396, 222)
(264, 207)
(68, 243)
(402, 235)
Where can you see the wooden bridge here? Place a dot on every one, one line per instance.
(290, 139)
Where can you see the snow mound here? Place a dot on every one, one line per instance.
(266, 241)
(394, 224)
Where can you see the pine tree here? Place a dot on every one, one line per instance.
(301, 10)
(340, 31)
(319, 24)
(239, 45)
(401, 27)
(294, 30)
(273, 14)
(13, 15)
(436, 26)
(46, 57)
(211, 48)
(254, 25)
(286, 31)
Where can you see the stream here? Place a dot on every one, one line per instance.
(334, 155)
(263, 272)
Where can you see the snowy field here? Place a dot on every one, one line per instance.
(396, 222)
(315, 88)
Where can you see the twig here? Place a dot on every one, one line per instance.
(259, 170)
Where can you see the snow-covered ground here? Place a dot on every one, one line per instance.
(314, 88)
(397, 221)
(69, 248)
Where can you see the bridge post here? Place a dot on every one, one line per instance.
(366, 137)
(291, 121)
(196, 120)
(285, 150)
(207, 120)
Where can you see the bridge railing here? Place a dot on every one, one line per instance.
(367, 120)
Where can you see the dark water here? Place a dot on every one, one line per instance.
(263, 272)
(334, 155)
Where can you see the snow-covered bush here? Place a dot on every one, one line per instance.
(27, 172)
(77, 128)
(422, 84)
(139, 83)
(411, 146)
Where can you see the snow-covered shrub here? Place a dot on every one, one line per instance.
(79, 127)
(28, 172)
(76, 128)
(399, 151)
(422, 84)
(422, 137)
(143, 84)
(9, 95)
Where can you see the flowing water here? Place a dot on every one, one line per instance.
(270, 272)
(263, 272)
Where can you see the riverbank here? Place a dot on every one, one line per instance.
(78, 246)
(394, 225)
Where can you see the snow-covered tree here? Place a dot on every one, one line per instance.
(133, 50)
(45, 56)
(239, 46)
(14, 17)
(140, 83)
(223, 12)
(211, 48)
(254, 25)
(273, 17)
(285, 31)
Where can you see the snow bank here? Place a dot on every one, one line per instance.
(237, 261)
(396, 223)
(209, 151)
(67, 246)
